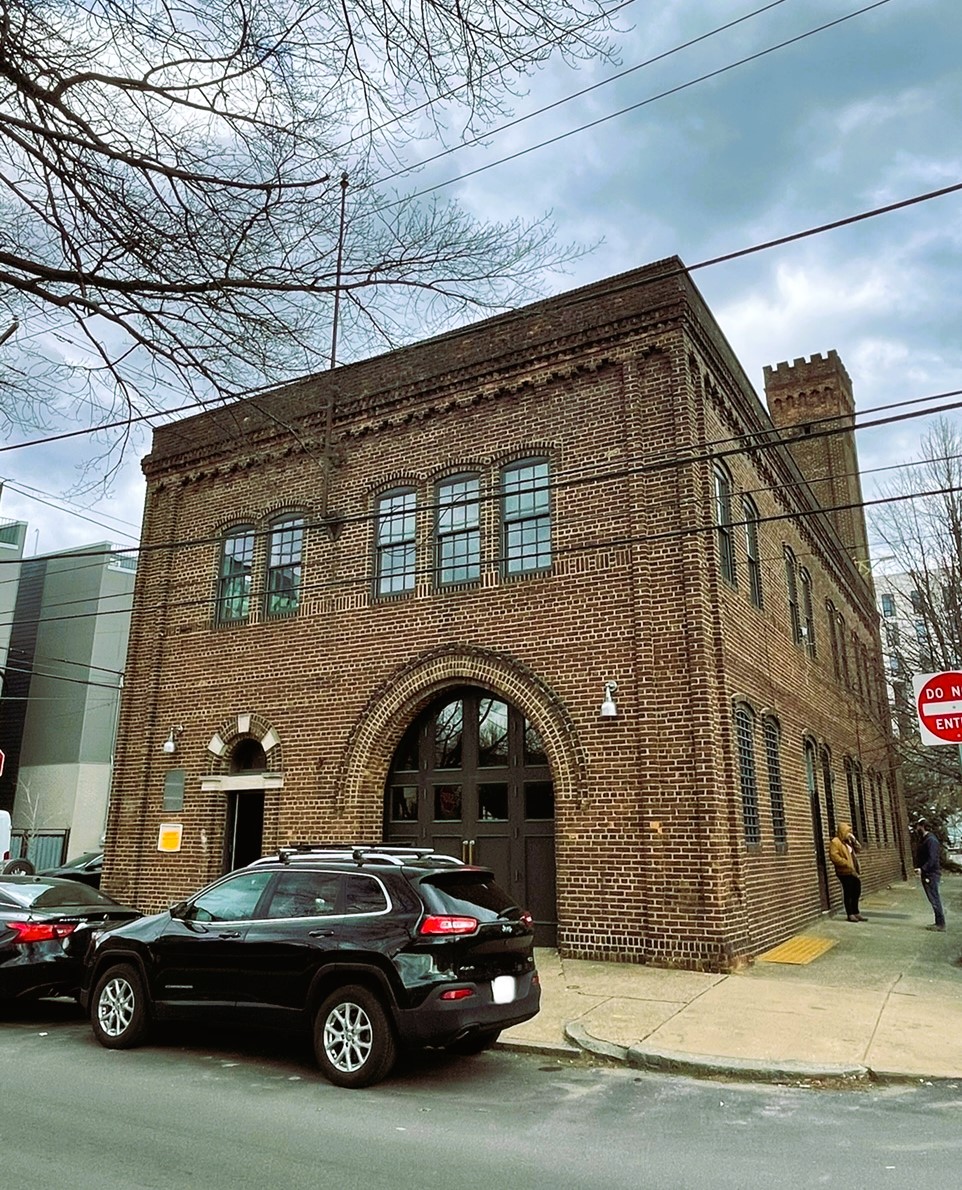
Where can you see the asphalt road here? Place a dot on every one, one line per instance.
(213, 1112)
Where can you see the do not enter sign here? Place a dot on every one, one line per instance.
(938, 700)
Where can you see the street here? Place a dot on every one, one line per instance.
(209, 1111)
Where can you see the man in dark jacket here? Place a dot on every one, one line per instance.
(930, 869)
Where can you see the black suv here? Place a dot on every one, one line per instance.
(370, 948)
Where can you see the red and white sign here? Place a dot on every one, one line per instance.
(938, 700)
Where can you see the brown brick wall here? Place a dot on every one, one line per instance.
(621, 386)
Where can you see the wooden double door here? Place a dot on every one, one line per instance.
(471, 779)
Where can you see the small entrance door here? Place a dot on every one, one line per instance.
(471, 779)
(244, 835)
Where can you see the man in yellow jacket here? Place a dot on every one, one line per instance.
(843, 852)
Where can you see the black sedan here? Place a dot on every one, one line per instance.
(86, 868)
(45, 926)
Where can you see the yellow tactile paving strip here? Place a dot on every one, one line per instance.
(800, 950)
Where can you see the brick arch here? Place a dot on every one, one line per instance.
(243, 727)
(398, 700)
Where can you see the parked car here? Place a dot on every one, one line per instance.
(45, 928)
(86, 868)
(368, 949)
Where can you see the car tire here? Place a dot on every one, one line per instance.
(353, 1040)
(118, 1008)
(474, 1043)
(19, 867)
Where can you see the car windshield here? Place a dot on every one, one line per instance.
(473, 893)
(38, 893)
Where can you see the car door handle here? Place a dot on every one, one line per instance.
(321, 933)
(230, 934)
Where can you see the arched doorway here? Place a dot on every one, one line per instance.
(471, 779)
(244, 833)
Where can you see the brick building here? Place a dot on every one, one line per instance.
(551, 591)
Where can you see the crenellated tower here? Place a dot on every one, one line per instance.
(811, 402)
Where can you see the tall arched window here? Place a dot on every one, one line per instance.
(791, 591)
(234, 575)
(828, 785)
(808, 616)
(283, 588)
(395, 542)
(752, 553)
(458, 539)
(748, 779)
(772, 735)
(526, 516)
(723, 522)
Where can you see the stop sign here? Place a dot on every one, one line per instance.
(938, 700)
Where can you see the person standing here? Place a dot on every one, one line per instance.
(929, 868)
(843, 851)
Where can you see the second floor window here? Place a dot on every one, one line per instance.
(723, 522)
(284, 566)
(526, 516)
(234, 577)
(752, 556)
(395, 543)
(808, 615)
(791, 587)
(459, 530)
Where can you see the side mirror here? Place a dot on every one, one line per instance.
(178, 910)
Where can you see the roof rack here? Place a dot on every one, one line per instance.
(359, 853)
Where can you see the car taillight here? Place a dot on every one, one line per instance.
(527, 919)
(41, 931)
(436, 923)
(456, 994)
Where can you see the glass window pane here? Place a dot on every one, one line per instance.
(526, 519)
(538, 799)
(534, 752)
(408, 754)
(284, 567)
(234, 900)
(447, 803)
(492, 733)
(395, 542)
(303, 894)
(404, 803)
(364, 894)
(234, 583)
(448, 729)
(493, 801)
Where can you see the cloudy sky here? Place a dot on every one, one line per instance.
(860, 115)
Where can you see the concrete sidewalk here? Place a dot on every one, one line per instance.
(884, 1002)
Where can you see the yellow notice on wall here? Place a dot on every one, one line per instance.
(169, 836)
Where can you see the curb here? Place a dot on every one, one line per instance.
(711, 1066)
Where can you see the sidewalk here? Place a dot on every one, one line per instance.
(883, 1002)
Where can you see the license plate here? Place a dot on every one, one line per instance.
(504, 988)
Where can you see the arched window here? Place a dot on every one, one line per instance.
(808, 616)
(723, 522)
(395, 542)
(791, 591)
(234, 575)
(828, 785)
(745, 747)
(752, 553)
(458, 530)
(284, 566)
(772, 735)
(526, 516)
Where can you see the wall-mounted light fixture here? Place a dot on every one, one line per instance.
(608, 708)
(170, 744)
